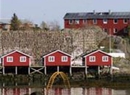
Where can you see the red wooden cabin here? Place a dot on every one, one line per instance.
(98, 58)
(16, 58)
(57, 58)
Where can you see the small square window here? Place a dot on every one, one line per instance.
(94, 21)
(10, 59)
(104, 21)
(51, 58)
(85, 21)
(22, 58)
(115, 30)
(105, 58)
(64, 58)
(70, 21)
(125, 30)
(76, 21)
(92, 58)
(115, 21)
(125, 21)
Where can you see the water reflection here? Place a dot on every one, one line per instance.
(62, 91)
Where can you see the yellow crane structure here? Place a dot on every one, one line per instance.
(54, 75)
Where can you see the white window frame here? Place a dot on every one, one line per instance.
(115, 30)
(105, 21)
(76, 21)
(115, 22)
(125, 21)
(70, 21)
(92, 58)
(105, 58)
(64, 58)
(10, 59)
(51, 59)
(84, 21)
(23, 58)
(94, 21)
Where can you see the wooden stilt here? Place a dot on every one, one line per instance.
(86, 70)
(45, 70)
(16, 70)
(111, 70)
(3, 70)
(58, 69)
(29, 70)
(70, 70)
(99, 70)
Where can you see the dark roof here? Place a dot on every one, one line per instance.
(97, 15)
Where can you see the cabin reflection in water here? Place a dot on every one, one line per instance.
(57, 91)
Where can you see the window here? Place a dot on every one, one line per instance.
(104, 21)
(85, 21)
(115, 30)
(10, 59)
(115, 21)
(76, 21)
(64, 58)
(22, 58)
(125, 30)
(70, 21)
(125, 21)
(92, 58)
(105, 58)
(94, 21)
(105, 30)
(51, 58)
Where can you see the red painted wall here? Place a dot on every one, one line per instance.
(58, 61)
(16, 60)
(109, 26)
(98, 61)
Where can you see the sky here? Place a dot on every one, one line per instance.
(54, 10)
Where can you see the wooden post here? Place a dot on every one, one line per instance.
(70, 70)
(45, 70)
(58, 69)
(111, 70)
(16, 70)
(29, 70)
(86, 71)
(99, 70)
(3, 70)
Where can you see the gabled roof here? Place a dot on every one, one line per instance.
(14, 52)
(92, 52)
(97, 15)
(57, 51)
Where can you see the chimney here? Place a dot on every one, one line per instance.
(94, 12)
(109, 12)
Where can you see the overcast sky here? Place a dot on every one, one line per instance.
(54, 10)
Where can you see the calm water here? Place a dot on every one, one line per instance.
(63, 91)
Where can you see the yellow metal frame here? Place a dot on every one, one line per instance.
(54, 75)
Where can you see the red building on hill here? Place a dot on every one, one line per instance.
(114, 23)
